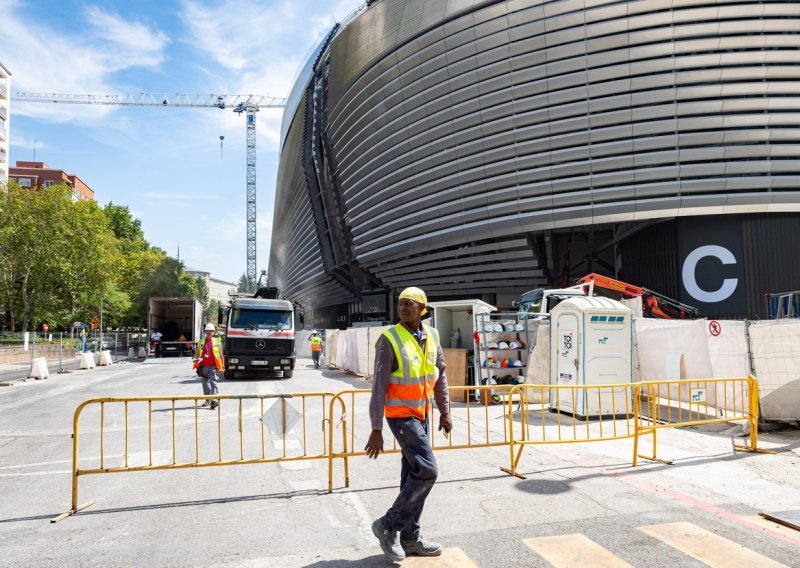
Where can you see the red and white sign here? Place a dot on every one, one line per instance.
(714, 328)
(45, 327)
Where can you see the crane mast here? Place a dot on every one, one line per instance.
(248, 105)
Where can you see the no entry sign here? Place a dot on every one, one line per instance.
(714, 328)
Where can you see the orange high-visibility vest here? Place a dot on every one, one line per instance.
(216, 349)
(410, 391)
(316, 344)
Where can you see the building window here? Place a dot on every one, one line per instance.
(24, 182)
(48, 183)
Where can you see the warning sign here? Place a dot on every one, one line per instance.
(714, 328)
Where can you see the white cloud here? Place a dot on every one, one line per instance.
(80, 61)
(128, 44)
(256, 43)
(29, 143)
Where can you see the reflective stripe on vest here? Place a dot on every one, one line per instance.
(410, 389)
(216, 349)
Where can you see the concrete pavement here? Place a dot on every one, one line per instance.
(580, 501)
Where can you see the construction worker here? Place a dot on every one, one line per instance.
(209, 360)
(404, 387)
(316, 348)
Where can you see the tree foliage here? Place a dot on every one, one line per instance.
(60, 258)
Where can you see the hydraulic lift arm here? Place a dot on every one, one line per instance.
(653, 304)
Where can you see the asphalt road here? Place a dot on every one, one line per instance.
(580, 504)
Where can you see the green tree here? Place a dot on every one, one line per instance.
(246, 285)
(202, 290)
(55, 252)
(126, 228)
(211, 310)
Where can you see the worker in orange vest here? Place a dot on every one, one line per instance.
(316, 348)
(409, 376)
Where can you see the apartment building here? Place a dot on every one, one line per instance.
(217, 289)
(39, 174)
(5, 103)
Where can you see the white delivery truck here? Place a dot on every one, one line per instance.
(178, 320)
(259, 342)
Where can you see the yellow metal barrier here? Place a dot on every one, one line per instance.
(185, 424)
(467, 431)
(560, 414)
(673, 404)
(546, 414)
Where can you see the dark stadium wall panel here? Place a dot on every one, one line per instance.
(456, 123)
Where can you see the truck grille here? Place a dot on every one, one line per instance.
(282, 347)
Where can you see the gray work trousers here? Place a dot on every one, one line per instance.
(418, 473)
(209, 380)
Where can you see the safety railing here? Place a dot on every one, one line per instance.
(178, 432)
(559, 414)
(169, 434)
(480, 424)
(680, 403)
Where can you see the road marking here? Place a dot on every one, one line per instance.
(566, 551)
(450, 558)
(773, 526)
(711, 549)
(140, 459)
(60, 472)
(23, 465)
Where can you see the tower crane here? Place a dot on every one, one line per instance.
(248, 105)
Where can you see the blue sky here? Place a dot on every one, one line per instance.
(164, 164)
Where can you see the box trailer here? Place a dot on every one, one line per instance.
(179, 320)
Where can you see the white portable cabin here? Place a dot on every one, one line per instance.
(456, 322)
(458, 318)
(591, 343)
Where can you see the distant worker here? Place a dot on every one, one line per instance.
(155, 342)
(209, 360)
(405, 384)
(316, 348)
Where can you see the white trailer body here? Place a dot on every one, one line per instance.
(179, 320)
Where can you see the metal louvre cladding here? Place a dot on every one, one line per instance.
(455, 128)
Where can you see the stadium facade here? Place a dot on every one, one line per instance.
(484, 148)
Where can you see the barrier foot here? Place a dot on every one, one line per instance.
(749, 450)
(655, 459)
(514, 473)
(63, 516)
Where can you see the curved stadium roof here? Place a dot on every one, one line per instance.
(431, 139)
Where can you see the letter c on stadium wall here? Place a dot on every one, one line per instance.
(689, 274)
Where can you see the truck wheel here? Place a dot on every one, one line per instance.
(288, 374)
(228, 375)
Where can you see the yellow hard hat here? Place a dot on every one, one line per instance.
(417, 295)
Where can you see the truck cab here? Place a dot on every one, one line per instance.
(539, 302)
(259, 341)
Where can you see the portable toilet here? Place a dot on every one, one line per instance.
(591, 343)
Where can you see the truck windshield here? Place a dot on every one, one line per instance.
(531, 302)
(260, 319)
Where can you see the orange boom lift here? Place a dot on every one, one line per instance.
(654, 305)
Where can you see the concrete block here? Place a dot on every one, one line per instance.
(87, 361)
(105, 358)
(142, 353)
(131, 353)
(39, 368)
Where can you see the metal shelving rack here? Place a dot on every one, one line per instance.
(483, 320)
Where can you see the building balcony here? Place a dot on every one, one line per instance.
(3, 113)
(3, 91)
